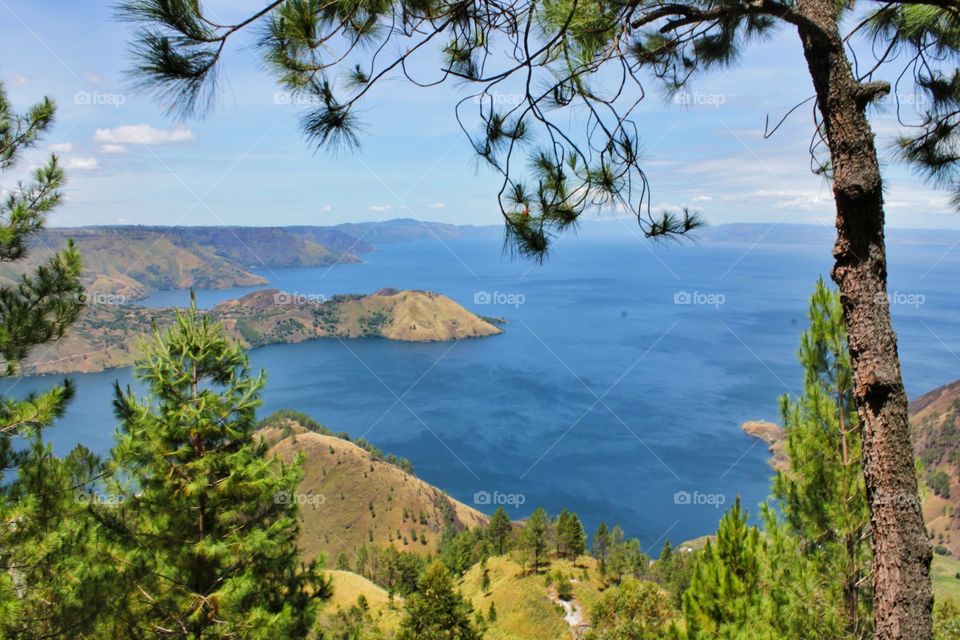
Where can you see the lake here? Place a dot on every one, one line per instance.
(617, 389)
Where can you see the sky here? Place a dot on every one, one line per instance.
(246, 162)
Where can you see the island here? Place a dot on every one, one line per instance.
(108, 336)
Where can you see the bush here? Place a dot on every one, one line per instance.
(564, 587)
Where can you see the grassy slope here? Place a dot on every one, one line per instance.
(364, 498)
(107, 336)
(526, 607)
(347, 587)
(945, 581)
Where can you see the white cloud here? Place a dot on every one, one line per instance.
(437, 205)
(381, 207)
(142, 134)
(80, 164)
(19, 80)
(326, 208)
(703, 198)
(61, 147)
(112, 149)
(92, 77)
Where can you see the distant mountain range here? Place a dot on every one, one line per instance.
(132, 261)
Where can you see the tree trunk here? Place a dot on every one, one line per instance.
(903, 598)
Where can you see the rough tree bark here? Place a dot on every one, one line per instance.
(903, 597)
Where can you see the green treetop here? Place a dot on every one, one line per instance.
(208, 520)
(436, 611)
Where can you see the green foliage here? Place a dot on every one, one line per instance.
(939, 481)
(633, 610)
(535, 537)
(563, 585)
(40, 305)
(571, 540)
(946, 620)
(819, 523)
(673, 570)
(206, 529)
(809, 575)
(356, 623)
(436, 611)
(626, 559)
(58, 580)
(460, 550)
(499, 530)
(395, 571)
(48, 565)
(602, 540)
(725, 590)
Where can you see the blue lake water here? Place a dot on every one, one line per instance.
(603, 395)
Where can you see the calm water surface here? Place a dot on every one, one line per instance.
(603, 395)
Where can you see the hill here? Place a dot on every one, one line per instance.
(351, 496)
(935, 432)
(408, 229)
(127, 263)
(124, 265)
(108, 335)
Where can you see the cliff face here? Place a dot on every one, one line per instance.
(108, 336)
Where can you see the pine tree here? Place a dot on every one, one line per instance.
(40, 540)
(820, 516)
(57, 583)
(436, 611)
(626, 559)
(725, 591)
(575, 540)
(40, 305)
(561, 527)
(601, 546)
(571, 540)
(208, 520)
(499, 529)
(535, 536)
